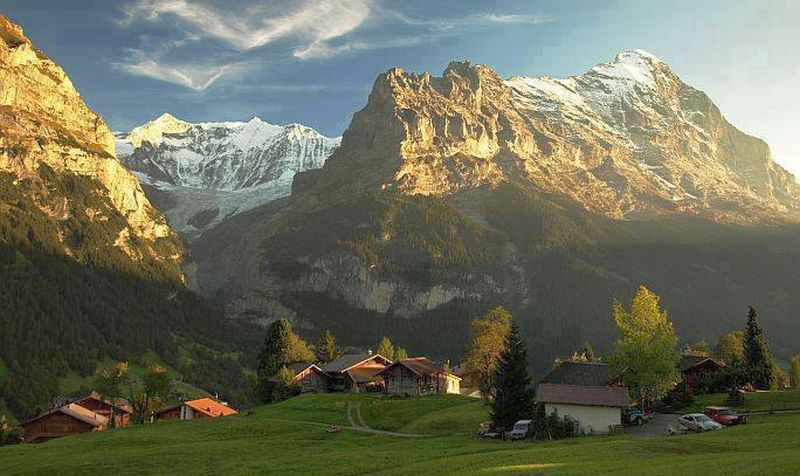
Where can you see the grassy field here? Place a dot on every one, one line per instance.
(273, 440)
(754, 402)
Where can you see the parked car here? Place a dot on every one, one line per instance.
(520, 430)
(698, 422)
(488, 430)
(632, 416)
(725, 416)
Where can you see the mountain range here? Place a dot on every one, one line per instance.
(200, 174)
(445, 196)
(451, 194)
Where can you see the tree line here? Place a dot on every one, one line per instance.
(645, 356)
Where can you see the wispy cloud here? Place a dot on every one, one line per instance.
(227, 37)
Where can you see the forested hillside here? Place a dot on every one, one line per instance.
(89, 268)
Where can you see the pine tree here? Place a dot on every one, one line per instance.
(326, 349)
(400, 354)
(386, 349)
(757, 355)
(273, 356)
(513, 396)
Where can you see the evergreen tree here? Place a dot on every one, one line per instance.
(326, 349)
(273, 356)
(386, 349)
(513, 397)
(757, 355)
(281, 348)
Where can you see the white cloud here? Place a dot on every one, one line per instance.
(259, 24)
(220, 36)
(194, 77)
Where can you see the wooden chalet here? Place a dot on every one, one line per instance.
(310, 377)
(65, 420)
(693, 368)
(120, 410)
(356, 372)
(419, 376)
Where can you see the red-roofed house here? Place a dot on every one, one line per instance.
(419, 376)
(200, 408)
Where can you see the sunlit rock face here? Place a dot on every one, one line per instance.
(628, 139)
(44, 122)
(201, 174)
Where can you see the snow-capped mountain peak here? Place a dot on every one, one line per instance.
(220, 168)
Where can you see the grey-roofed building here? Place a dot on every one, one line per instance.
(588, 392)
(356, 372)
(419, 376)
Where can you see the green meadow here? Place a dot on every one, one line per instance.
(279, 439)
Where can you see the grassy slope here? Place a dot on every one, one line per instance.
(73, 382)
(260, 444)
(754, 402)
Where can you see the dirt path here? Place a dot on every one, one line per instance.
(357, 423)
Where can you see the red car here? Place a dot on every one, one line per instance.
(725, 416)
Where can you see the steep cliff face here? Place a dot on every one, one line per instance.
(200, 174)
(626, 140)
(47, 131)
(451, 194)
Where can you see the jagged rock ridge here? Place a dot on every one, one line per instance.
(627, 140)
(210, 171)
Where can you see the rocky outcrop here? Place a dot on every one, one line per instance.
(45, 123)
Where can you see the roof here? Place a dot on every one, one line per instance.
(590, 374)
(583, 395)
(689, 361)
(83, 414)
(78, 412)
(421, 366)
(363, 375)
(120, 404)
(348, 361)
(210, 407)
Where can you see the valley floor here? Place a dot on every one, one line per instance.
(283, 439)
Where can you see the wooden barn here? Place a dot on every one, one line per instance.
(310, 377)
(419, 376)
(66, 420)
(693, 368)
(356, 372)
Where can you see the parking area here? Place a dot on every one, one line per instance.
(655, 427)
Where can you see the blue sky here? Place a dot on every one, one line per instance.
(314, 61)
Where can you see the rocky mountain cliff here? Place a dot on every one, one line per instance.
(200, 174)
(627, 140)
(47, 133)
(451, 194)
